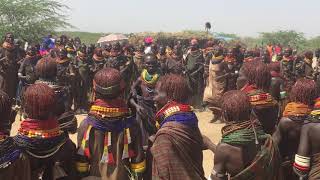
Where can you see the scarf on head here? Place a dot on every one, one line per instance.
(148, 79)
(8, 46)
(295, 109)
(109, 117)
(258, 97)
(177, 112)
(40, 138)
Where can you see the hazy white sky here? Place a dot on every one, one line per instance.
(244, 17)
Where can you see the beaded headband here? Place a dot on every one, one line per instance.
(107, 90)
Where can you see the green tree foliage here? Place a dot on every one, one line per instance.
(227, 35)
(285, 38)
(30, 20)
(313, 43)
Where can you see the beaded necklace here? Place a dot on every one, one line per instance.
(40, 138)
(149, 79)
(9, 153)
(109, 117)
(172, 108)
(242, 133)
(295, 109)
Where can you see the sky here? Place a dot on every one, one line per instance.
(242, 17)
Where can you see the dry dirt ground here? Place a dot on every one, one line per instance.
(210, 130)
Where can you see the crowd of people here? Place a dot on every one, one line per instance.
(140, 103)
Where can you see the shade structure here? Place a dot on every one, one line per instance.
(112, 38)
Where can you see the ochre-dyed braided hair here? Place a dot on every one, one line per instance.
(274, 66)
(46, 68)
(5, 113)
(304, 91)
(236, 106)
(262, 76)
(39, 102)
(108, 77)
(176, 87)
(248, 69)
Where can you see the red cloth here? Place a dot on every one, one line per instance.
(278, 49)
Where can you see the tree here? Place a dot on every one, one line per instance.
(285, 38)
(207, 27)
(313, 43)
(31, 20)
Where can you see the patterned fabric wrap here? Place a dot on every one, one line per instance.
(109, 122)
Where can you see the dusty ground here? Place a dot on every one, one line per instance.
(210, 130)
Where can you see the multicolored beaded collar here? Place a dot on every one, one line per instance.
(149, 79)
(109, 117)
(40, 129)
(103, 109)
(170, 109)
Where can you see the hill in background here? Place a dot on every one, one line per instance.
(86, 37)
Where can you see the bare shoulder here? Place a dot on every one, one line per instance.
(285, 123)
(222, 152)
(313, 128)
